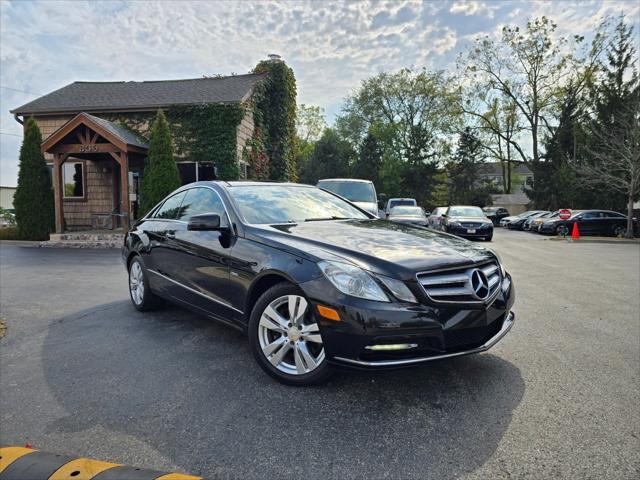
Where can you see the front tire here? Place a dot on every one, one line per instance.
(285, 339)
(139, 288)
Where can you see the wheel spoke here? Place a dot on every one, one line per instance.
(297, 355)
(311, 333)
(273, 318)
(277, 357)
(306, 355)
(273, 346)
(297, 308)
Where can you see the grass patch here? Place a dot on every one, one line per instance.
(3, 328)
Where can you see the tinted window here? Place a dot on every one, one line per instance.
(465, 212)
(354, 191)
(396, 203)
(201, 200)
(266, 204)
(590, 215)
(614, 215)
(171, 207)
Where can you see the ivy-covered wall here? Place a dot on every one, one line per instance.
(203, 133)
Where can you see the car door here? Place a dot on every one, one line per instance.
(163, 253)
(589, 222)
(205, 256)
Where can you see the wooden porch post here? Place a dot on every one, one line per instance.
(124, 185)
(58, 192)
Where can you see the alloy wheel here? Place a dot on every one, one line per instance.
(289, 336)
(136, 283)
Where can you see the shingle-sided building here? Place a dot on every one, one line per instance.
(95, 141)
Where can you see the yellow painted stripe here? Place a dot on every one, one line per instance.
(178, 476)
(81, 469)
(9, 454)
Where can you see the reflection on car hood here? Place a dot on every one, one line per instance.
(386, 247)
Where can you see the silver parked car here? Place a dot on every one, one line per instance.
(408, 214)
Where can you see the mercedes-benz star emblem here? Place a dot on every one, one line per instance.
(479, 284)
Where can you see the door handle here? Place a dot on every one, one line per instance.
(171, 234)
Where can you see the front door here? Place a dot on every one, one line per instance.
(205, 256)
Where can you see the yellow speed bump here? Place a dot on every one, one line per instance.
(81, 469)
(9, 454)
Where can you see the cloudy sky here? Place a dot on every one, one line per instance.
(331, 46)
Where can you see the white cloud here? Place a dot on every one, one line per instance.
(332, 46)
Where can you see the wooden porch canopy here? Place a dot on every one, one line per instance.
(92, 138)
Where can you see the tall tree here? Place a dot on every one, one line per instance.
(530, 68)
(33, 199)
(277, 102)
(330, 158)
(310, 124)
(161, 175)
(463, 169)
(612, 160)
(369, 161)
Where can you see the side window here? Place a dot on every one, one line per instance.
(73, 179)
(590, 215)
(170, 209)
(202, 200)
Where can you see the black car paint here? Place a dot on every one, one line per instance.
(605, 225)
(220, 274)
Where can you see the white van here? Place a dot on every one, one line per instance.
(360, 192)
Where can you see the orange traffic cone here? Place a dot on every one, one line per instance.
(575, 233)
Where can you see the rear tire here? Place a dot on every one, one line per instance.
(287, 345)
(140, 291)
(619, 231)
(562, 230)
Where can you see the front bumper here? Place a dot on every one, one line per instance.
(435, 331)
(480, 232)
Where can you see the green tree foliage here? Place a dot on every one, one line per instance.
(462, 172)
(310, 124)
(33, 199)
(330, 158)
(412, 115)
(161, 175)
(369, 162)
(276, 100)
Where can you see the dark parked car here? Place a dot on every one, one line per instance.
(590, 222)
(413, 215)
(316, 281)
(521, 223)
(495, 214)
(467, 222)
(534, 223)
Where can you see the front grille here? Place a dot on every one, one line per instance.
(471, 224)
(462, 285)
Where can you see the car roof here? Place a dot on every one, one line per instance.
(358, 180)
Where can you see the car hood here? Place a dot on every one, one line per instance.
(395, 249)
(510, 218)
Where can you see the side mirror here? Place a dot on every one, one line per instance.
(205, 222)
(444, 215)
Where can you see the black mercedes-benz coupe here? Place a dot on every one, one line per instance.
(315, 281)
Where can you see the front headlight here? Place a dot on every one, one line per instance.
(352, 280)
(398, 288)
(502, 270)
(455, 224)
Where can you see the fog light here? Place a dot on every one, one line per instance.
(392, 346)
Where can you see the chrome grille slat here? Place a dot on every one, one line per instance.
(456, 285)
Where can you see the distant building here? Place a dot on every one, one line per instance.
(521, 176)
(96, 161)
(6, 197)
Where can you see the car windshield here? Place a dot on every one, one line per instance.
(406, 211)
(398, 203)
(266, 204)
(465, 212)
(354, 191)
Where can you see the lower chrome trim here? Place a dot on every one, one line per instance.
(506, 326)
(195, 291)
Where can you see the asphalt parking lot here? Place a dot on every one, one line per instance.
(82, 372)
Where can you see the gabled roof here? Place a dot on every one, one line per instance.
(112, 132)
(150, 95)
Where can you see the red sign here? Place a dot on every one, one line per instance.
(565, 213)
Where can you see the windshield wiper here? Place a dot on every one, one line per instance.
(324, 219)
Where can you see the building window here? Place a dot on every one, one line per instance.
(196, 172)
(73, 179)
